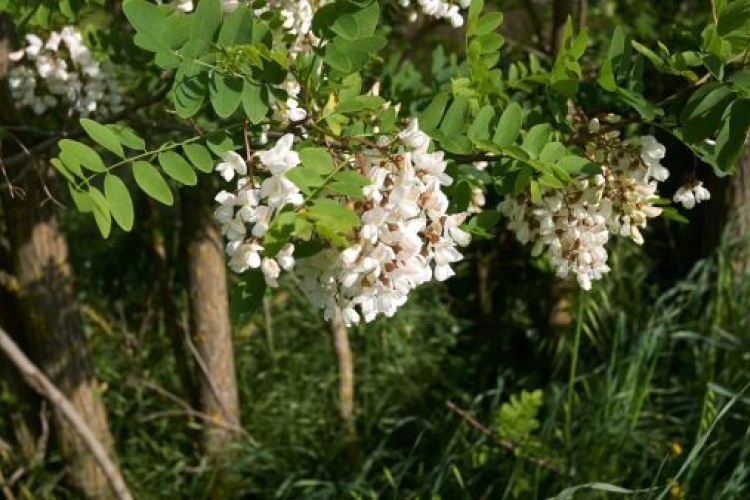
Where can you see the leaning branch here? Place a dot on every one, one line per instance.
(37, 380)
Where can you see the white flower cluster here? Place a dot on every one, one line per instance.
(441, 9)
(62, 70)
(246, 214)
(691, 193)
(290, 110)
(406, 238)
(575, 223)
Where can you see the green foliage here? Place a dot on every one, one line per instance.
(516, 421)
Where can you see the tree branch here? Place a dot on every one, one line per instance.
(40, 383)
(503, 443)
(47, 144)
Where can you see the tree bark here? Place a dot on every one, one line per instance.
(169, 297)
(729, 204)
(209, 313)
(346, 375)
(50, 312)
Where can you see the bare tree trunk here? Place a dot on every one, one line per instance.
(169, 312)
(346, 375)
(50, 312)
(211, 328)
(23, 413)
(730, 204)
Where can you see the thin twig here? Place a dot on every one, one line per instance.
(714, 14)
(38, 173)
(47, 144)
(40, 383)
(504, 443)
(186, 409)
(211, 384)
(5, 487)
(12, 190)
(41, 444)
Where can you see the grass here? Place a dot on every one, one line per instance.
(643, 397)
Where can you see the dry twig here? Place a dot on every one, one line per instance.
(504, 443)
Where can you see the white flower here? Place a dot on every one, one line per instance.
(433, 164)
(185, 5)
(406, 236)
(66, 73)
(294, 112)
(652, 152)
(413, 137)
(285, 257)
(454, 16)
(701, 193)
(574, 223)
(594, 126)
(229, 5)
(227, 202)
(280, 158)
(271, 271)
(246, 256)
(232, 163)
(34, 45)
(280, 191)
(691, 194)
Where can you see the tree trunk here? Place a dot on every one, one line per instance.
(169, 297)
(346, 377)
(729, 204)
(209, 312)
(51, 316)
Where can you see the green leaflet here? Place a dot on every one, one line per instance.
(177, 168)
(152, 183)
(119, 200)
(103, 136)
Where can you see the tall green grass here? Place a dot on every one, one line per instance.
(654, 407)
